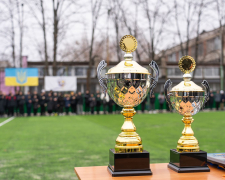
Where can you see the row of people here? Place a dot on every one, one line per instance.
(53, 102)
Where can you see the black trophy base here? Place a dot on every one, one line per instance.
(129, 164)
(188, 161)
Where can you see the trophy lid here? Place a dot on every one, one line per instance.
(128, 44)
(187, 65)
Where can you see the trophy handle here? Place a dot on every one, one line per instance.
(102, 80)
(207, 89)
(155, 68)
(167, 84)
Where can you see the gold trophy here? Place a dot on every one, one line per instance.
(187, 99)
(128, 84)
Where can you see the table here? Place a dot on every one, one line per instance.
(160, 172)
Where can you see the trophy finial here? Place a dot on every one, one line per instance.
(187, 64)
(128, 43)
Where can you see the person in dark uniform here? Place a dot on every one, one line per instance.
(11, 104)
(35, 105)
(67, 104)
(2, 104)
(79, 99)
(35, 94)
(73, 103)
(211, 100)
(217, 99)
(110, 106)
(161, 99)
(26, 96)
(87, 103)
(50, 104)
(143, 105)
(56, 103)
(51, 92)
(43, 103)
(21, 101)
(222, 100)
(98, 103)
(152, 104)
(29, 105)
(92, 104)
(61, 103)
(17, 102)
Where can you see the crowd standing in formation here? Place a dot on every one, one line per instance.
(53, 103)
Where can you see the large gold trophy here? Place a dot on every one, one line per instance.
(128, 84)
(187, 99)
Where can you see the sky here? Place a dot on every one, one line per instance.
(79, 25)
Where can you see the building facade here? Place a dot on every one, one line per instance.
(207, 62)
(208, 65)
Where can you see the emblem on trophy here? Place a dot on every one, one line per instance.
(128, 84)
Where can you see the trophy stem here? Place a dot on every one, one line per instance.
(128, 140)
(187, 142)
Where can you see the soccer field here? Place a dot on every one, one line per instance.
(50, 147)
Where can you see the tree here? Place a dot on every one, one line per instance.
(21, 28)
(9, 34)
(39, 8)
(95, 13)
(132, 26)
(116, 16)
(63, 17)
(157, 16)
(55, 6)
(221, 19)
(199, 17)
(185, 10)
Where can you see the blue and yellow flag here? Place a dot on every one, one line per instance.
(21, 77)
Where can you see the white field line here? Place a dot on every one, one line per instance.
(6, 121)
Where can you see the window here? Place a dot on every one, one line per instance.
(213, 44)
(81, 71)
(69, 71)
(174, 72)
(210, 44)
(198, 72)
(211, 72)
(172, 57)
(64, 71)
(41, 72)
(217, 43)
(93, 72)
(180, 54)
(61, 71)
(193, 51)
(200, 49)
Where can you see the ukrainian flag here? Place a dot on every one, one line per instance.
(21, 77)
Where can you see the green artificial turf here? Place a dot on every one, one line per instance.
(50, 147)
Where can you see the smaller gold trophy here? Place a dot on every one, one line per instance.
(187, 99)
(128, 84)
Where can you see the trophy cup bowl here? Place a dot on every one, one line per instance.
(187, 99)
(128, 84)
(128, 90)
